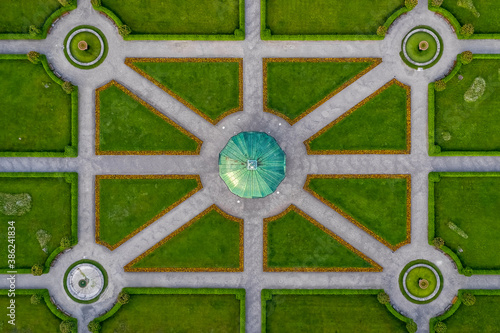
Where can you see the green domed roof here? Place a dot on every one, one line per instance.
(252, 164)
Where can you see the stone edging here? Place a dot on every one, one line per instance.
(129, 268)
(434, 293)
(357, 106)
(98, 150)
(436, 39)
(376, 267)
(68, 50)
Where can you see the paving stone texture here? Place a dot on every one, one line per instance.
(299, 164)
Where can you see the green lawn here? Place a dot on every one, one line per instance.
(93, 47)
(377, 204)
(177, 17)
(470, 203)
(413, 49)
(483, 15)
(35, 113)
(29, 317)
(179, 310)
(296, 242)
(209, 242)
(42, 221)
(295, 87)
(413, 278)
(328, 17)
(212, 87)
(473, 125)
(480, 317)
(17, 16)
(127, 204)
(127, 124)
(326, 311)
(379, 124)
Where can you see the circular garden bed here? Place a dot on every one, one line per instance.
(422, 48)
(420, 281)
(85, 47)
(85, 281)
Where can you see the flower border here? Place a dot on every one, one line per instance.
(376, 267)
(129, 268)
(98, 150)
(265, 61)
(352, 110)
(98, 178)
(407, 177)
(130, 62)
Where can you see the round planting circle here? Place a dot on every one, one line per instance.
(85, 281)
(421, 48)
(85, 47)
(420, 282)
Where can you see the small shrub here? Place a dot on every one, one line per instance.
(440, 327)
(67, 87)
(94, 326)
(65, 242)
(436, 3)
(36, 299)
(410, 4)
(467, 271)
(383, 298)
(411, 326)
(440, 85)
(96, 3)
(34, 57)
(467, 30)
(468, 299)
(124, 30)
(34, 31)
(466, 57)
(438, 242)
(67, 326)
(65, 3)
(37, 270)
(381, 31)
(123, 297)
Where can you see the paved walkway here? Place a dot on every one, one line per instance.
(252, 49)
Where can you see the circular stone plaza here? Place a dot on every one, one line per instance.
(250, 166)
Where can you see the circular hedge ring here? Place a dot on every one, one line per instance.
(85, 281)
(421, 48)
(85, 47)
(420, 281)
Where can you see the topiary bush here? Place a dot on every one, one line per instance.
(466, 57)
(96, 3)
(37, 269)
(34, 57)
(123, 297)
(66, 3)
(440, 327)
(124, 30)
(65, 242)
(440, 85)
(67, 87)
(410, 4)
(468, 299)
(467, 30)
(34, 31)
(436, 3)
(383, 298)
(36, 299)
(467, 271)
(381, 31)
(438, 242)
(67, 326)
(411, 326)
(94, 326)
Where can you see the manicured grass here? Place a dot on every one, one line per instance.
(43, 317)
(126, 204)
(462, 127)
(52, 215)
(178, 17)
(412, 47)
(470, 202)
(297, 242)
(328, 17)
(211, 241)
(178, 310)
(212, 87)
(93, 50)
(295, 87)
(378, 204)
(413, 278)
(379, 124)
(35, 113)
(17, 16)
(480, 317)
(128, 125)
(327, 311)
(487, 21)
